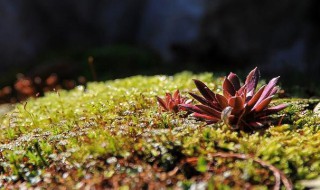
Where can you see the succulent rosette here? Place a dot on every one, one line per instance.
(241, 107)
(170, 103)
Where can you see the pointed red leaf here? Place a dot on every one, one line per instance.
(191, 108)
(210, 111)
(223, 102)
(176, 95)
(228, 88)
(234, 79)
(226, 94)
(274, 91)
(252, 81)
(203, 89)
(212, 94)
(262, 105)
(200, 99)
(242, 89)
(242, 94)
(276, 109)
(236, 103)
(255, 97)
(162, 103)
(206, 117)
(171, 105)
(268, 89)
(168, 97)
(270, 111)
(216, 105)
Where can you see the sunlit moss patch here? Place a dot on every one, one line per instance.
(112, 135)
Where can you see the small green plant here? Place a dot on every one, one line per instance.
(240, 107)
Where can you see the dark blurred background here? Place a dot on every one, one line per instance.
(129, 37)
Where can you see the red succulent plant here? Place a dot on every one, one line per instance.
(171, 102)
(240, 107)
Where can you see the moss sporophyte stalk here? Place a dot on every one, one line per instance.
(113, 135)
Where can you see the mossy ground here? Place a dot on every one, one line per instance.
(112, 135)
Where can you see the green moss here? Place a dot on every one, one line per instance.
(113, 130)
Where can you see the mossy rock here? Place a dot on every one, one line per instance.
(112, 135)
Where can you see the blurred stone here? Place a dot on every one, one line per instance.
(5, 108)
(316, 110)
